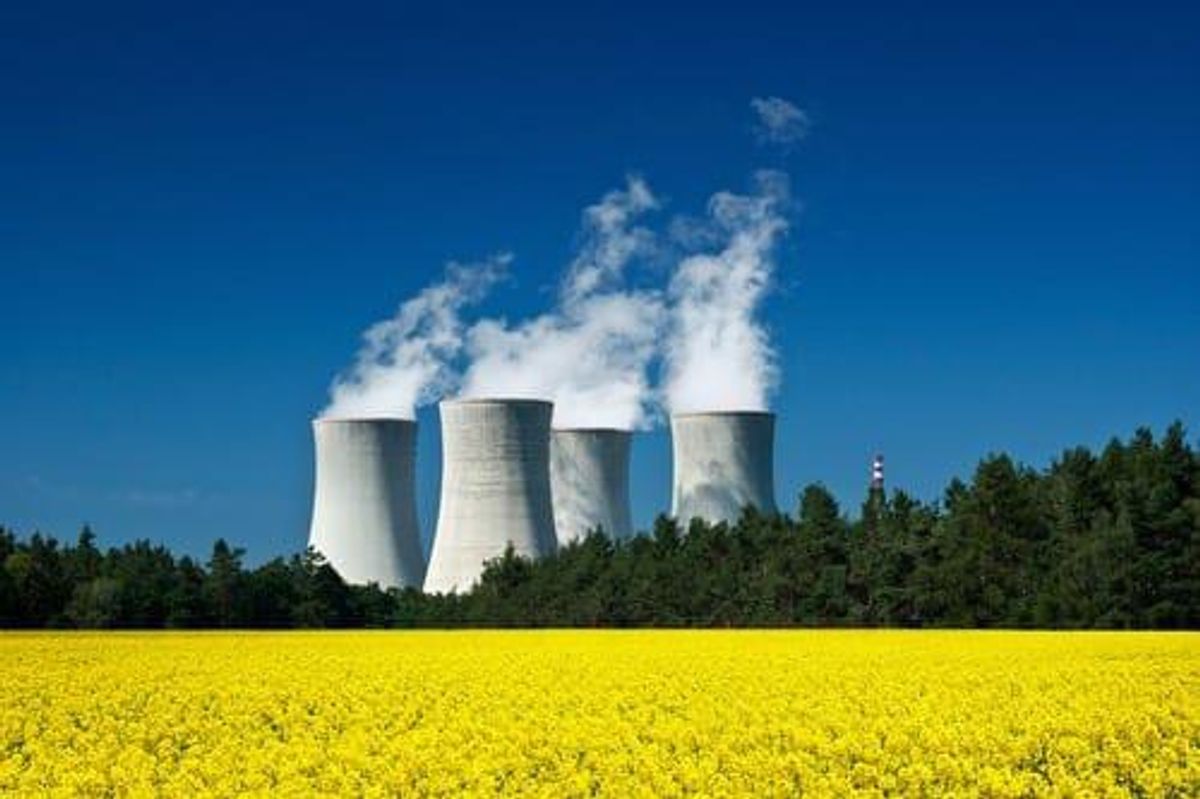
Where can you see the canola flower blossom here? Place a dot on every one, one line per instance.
(558, 713)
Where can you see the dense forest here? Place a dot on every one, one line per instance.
(1107, 540)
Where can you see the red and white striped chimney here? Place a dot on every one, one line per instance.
(877, 473)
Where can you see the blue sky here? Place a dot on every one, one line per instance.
(203, 205)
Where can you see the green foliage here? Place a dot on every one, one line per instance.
(1108, 540)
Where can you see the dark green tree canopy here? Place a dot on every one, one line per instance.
(1109, 539)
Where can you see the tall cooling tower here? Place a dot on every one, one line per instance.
(364, 517)
(495, 488)
(589, 478)
(723, 461)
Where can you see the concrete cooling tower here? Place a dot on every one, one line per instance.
(364, 518)
(495, 488)
(723, 461)
(589, 478)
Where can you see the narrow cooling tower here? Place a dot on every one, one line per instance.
(364, 517)
(495, 488)
(589, 478)
(723, 461)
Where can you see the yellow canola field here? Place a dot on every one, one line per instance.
(610, 713)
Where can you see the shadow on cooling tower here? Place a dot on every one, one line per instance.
(722, 462)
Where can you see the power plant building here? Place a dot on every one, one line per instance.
(364, 517)
(589, 478)
(495, 488)
(722, 461)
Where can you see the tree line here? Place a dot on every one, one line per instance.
(1096, 540)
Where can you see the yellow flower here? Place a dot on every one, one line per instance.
(623, 714)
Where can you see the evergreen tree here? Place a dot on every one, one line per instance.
(1095, 540)
(223, 585)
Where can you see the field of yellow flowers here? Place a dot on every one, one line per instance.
(610, 713)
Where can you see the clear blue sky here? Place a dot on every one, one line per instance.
(202, 206)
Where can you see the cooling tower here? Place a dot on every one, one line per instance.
(723, 461)
(364, 517)
(589, 479)
(495, 488)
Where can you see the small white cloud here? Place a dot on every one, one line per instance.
(779, 122)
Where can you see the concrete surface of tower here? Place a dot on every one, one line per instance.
(495, 488)
(364, 518)
(589, 479)
(722, 462)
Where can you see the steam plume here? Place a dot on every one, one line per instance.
(609, 241)
(717, 354)
(591, 354)
(407, 360)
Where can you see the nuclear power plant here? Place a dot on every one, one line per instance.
(495, 488)
(364, 517)
(589, 480)
(507, 478)
(722, 461)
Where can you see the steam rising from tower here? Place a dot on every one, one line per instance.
(584, 365)
(364, 518)
(590, 355)
(406, 360)
(718, 355)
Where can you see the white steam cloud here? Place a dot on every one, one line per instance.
(779, 122)
(592, 353)
(408, 360)
(609, 240)
(718, 356)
